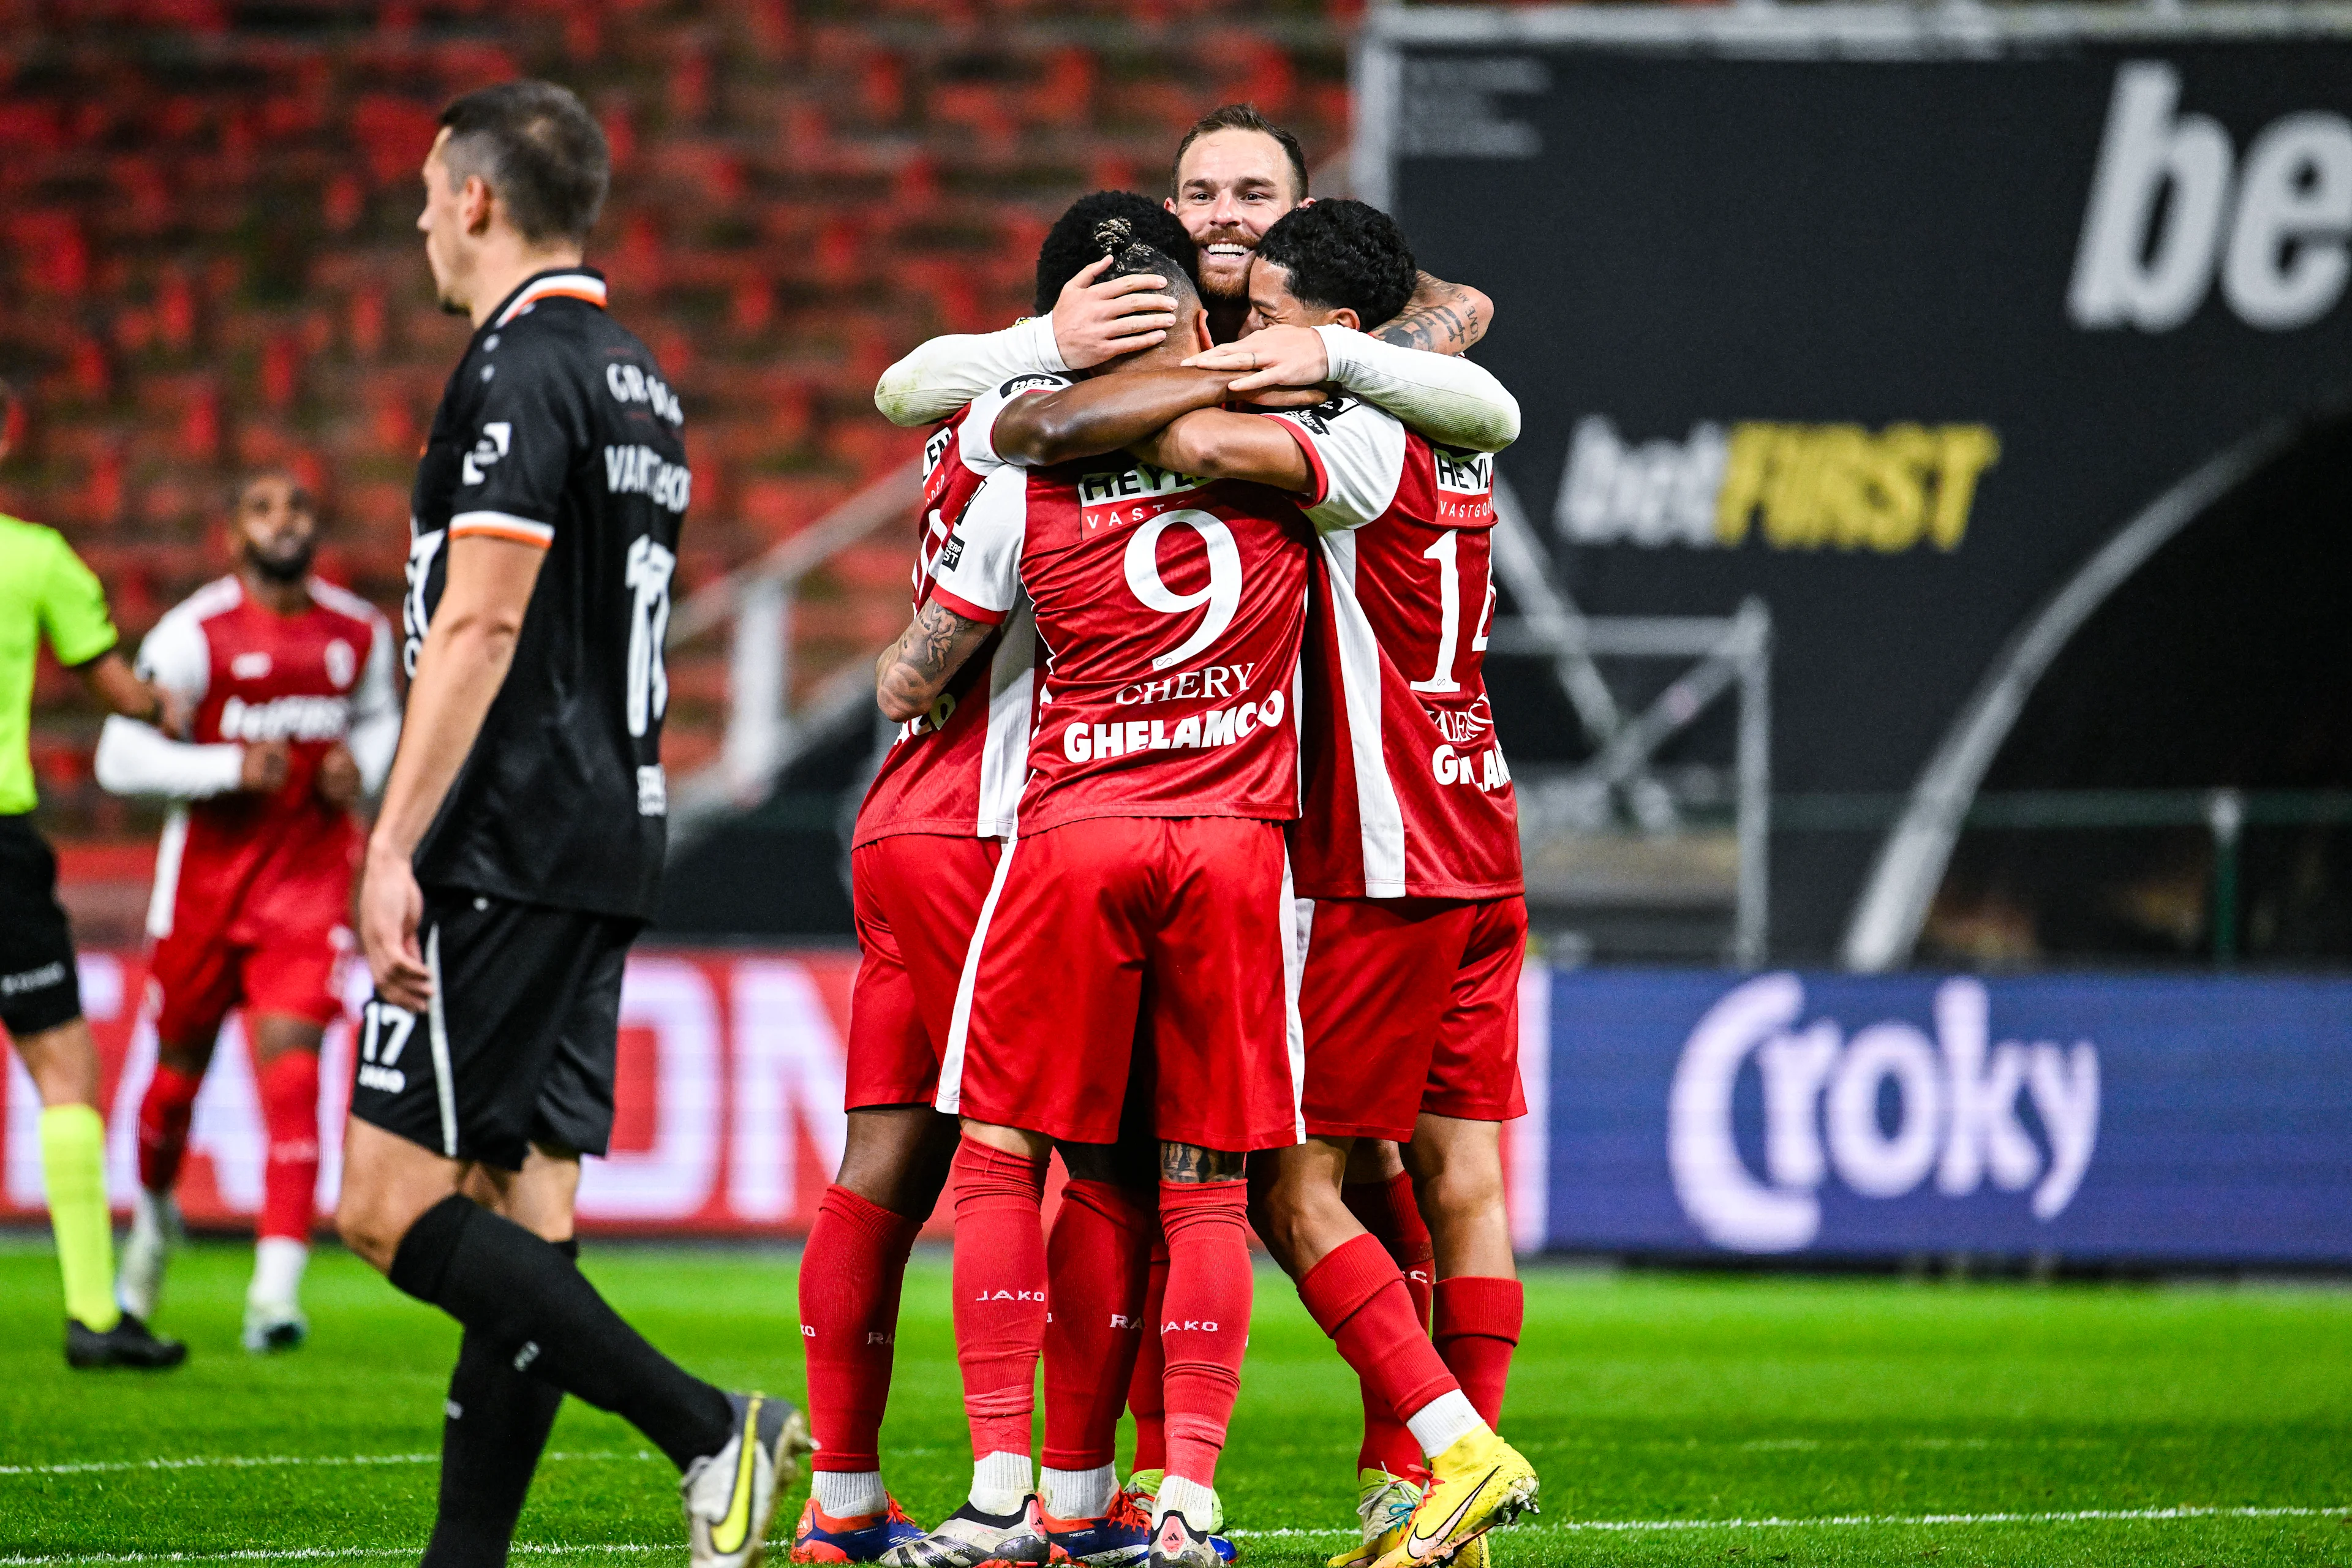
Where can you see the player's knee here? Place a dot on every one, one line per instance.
(368, 1227)
(1463, 1192)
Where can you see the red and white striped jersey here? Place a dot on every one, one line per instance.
(250, 867)
(959, 768)
(1170, 613)
(1407, 790)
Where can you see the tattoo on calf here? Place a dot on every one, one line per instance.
(1191, 1162)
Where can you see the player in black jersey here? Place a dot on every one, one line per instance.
(519, 844)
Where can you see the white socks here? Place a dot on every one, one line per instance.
(1080, 1494)
(1191, 1499)
(849, 1494)
(277, 1263)
(1443, 1422)
(999, 1482)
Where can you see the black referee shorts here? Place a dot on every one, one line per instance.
(517, 1045)
(39, 987)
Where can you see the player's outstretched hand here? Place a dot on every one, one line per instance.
(338, 781)
(1274, 356)
(1094, 322)
(263, 769)
(390, 905)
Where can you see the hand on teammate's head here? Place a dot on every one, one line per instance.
(1273, 357)
(262, 768)
(338, 781)
(1096, 321)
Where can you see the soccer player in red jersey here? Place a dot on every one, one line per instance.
(1234, 175)
(290, 682)
(923, 853)
(1409, 848)
(1148, 890)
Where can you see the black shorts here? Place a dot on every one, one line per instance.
(39, 987)
(518, 1046)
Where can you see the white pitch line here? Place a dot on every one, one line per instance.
(1852, 1520)
(315, 1555)
(1621, 1526)
(244, 1462)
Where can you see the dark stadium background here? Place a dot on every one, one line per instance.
(207, 259)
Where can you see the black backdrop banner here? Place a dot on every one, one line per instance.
(1891, 324)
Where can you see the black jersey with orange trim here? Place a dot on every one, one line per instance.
(557, 431)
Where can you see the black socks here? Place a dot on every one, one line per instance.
(495, 1428)
(530, 1307)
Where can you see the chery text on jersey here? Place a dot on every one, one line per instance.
(558, 431)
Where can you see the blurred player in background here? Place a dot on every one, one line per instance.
(1409, 848)
(518, 848)
(288, 679)
(47, 592)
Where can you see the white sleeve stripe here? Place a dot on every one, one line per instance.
(504, 525)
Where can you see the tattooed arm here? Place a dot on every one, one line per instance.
(914, 670)
(1440, 317)
(1191, 1162)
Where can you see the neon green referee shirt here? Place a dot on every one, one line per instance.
(44, 588)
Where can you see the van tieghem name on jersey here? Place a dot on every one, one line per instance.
(641, 470)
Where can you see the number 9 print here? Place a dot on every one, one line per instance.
(1223, 596)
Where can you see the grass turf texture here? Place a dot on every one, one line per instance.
(1644, 1399)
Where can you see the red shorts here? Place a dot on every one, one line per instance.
(1411, 1004)
(199, 977)
(1176, 930)
(916, 897)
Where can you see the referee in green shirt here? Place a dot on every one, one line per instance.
(45, 590)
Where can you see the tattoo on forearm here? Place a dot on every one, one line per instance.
(1435, 329)
(926, 650)
(1191, 1162)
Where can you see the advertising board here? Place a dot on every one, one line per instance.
(1924, 327)
(2091, 1118)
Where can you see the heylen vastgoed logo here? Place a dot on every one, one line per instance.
(1956, 1121)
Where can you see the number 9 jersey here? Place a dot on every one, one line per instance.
(1170, 615)
(557, 431)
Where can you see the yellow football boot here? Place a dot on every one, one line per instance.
(1478, 1483)
(1384, 1503)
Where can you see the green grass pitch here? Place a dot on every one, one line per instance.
(1668, 1415)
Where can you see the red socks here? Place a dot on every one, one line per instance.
(290, 1115)
(1000, 1292)
(164, 1114)
(1146, 1396)
(1358, 1298)
(1097, 1259)
(1479, 1323)
(1390, 1210)
(1204, 1324)
(1392, 1213)
(851, 1273)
